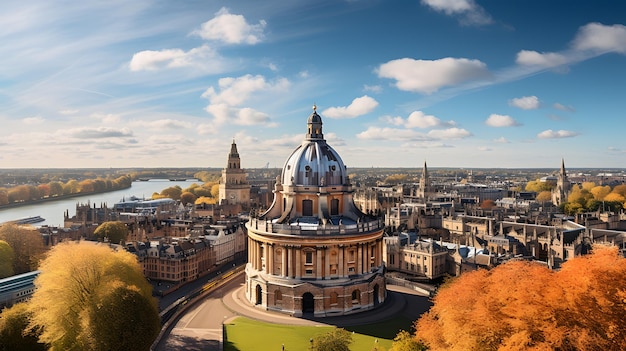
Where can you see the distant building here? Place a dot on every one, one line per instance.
(234, 189)
(314, 252)
(563, 186)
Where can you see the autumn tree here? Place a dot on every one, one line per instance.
(538, 186)
(337, 339)
(544, 196)
(620, 189)
(172, 192)
(56, 188)
(599, 192)
(27, 245)
(7, 257)
(404, 341)
(215, 191)
(580, 307)
(14, 332)
(205, 200)
(396, 178)
(4, 196)
(114, 231)
(86, 290)
(488, 204)
(188, 198)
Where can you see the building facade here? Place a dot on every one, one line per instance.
(313, 251)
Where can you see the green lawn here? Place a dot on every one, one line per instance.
(244, 334)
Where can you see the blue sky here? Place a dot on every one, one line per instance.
(455, 83)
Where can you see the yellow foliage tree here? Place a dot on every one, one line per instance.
(544, 196)
(620, 189)
(599, 192)
(27, 245)
(580, 307)
(588, 185)
(80, 280)
(614, 197)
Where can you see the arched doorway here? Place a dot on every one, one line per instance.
(259, 295)
(376, 301)
(308, 303)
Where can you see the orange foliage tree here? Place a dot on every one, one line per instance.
(524, 306)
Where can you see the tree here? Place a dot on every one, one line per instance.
(404, 341)
(14, 332)
(215, 191)
(599, 192)
(488, 204)
(7, 256)
(538, 186)
(79, 281)
(336, 340)
(56, 188)
(580, 307)
(187, 198)
(544, 196)
(27, 245)
(620, 189)
(115, 231)
(205, 200)
(172, 192)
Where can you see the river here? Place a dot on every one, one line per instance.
(52, 211)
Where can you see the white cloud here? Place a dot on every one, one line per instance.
(231, 29)
(525, 103)
(202, 57)
(484, 148)
(501, 140)
(303, 74)
(98, 133)
(33, 120)
(166, 124)
(359, 106)
(551, 134)
(107, 118)
(247, 116)
(450, 133)
(468, 11)
(534, 58)
(376, 89)
(599, 37)
(68, 112)
(418, 119)
(561, 107)
(235, 91)
(497, 121)
(428, 76)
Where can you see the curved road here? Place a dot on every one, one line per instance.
(200, 327)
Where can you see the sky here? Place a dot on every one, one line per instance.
(454, 83)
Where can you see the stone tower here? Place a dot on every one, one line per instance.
(234, 188)
(563, 186)
(313, 252)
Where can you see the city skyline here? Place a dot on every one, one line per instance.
(455, 83)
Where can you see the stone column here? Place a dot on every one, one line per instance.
(340, 265)
(298, 253)
(269, 259)
(283, 262)
(359, 259)
(290, 272)
(318, 265)
(327, 257)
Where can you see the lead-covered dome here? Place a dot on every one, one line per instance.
(314, 162)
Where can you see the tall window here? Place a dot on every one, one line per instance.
(309, 257)
(307, 207)
(334, 207)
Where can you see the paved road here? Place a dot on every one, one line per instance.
(200, 327)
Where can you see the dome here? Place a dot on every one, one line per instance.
(314, 162)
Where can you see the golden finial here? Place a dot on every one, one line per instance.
(314, 107)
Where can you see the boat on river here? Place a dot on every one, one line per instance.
(29, 220)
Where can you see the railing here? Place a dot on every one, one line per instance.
(320, 229)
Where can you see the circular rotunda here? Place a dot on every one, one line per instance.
(313, 251)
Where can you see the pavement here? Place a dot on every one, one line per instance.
(199, 328)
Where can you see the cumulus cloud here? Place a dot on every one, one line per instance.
(428, 76)
(373, 88)
(235, 91)
(246, 116)
(599, 37)
(359, 106)
(525, 103)
(450, 133)
(231, 29)
(467, 11)
(418, 119)
(377, 133)
(33, 120)
(495, 120)
(534, 58)
(107, 118)
(165, 124)
(562, 107)
(203, 57)
(558, 134)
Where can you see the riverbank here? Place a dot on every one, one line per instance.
(58, 198)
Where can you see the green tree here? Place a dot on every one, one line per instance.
(79, 280)
(14, 332)
(336, 340)
(7, 257)
(27, 245)
(404, 341)
(115, 231)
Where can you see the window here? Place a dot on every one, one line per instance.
(334, 207)
(333, 298)
(308, 272)
(309, 257)
(307, 208)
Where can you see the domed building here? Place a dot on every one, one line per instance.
(314, 252)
